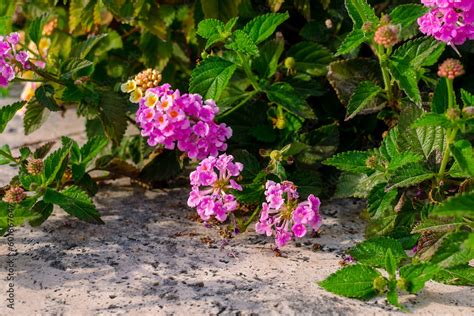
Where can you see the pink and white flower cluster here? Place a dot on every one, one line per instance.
(450, 21)
(211, 182)
(184, 121)
(283, 216)
(10, 57)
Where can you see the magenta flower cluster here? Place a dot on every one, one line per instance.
(211, 184)
(184, 121)
(450, 21)
(10, 57)
(283, 216)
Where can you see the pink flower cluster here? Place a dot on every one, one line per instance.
(211, 182)
(10, 57)
(450, 21)
(283, 216)
(168, 118)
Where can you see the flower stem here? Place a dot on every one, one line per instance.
(248, 71)
(451, 95)
(382, 56)
(450, 137)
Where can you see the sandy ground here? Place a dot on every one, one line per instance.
(153, 258)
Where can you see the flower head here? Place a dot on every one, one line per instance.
(35, 166)
(285, 217)
(11, 60)
(451, 68)
(386, 35)
(212, 183)
(14, 195)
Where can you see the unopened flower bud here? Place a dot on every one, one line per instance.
(386, 35)
(35, 166)
(280, 122)
(402, 284)
(451, 68)
(290, 62)
(367, 26)
(371, 162)
(14, 195)
(148, 78)
(468, 111)
(328, 23)
(453, 114)
(385, 19)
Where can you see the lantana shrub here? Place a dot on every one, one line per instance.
(265, 107)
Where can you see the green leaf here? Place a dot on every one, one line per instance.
(373, 251)
(406, 77)
(166, 162)
(390, 264)
(407, 14)
(464, 155)
(285, 95)
(458, 275)
(351, 42)
(364, 93)
(241, 42)
(360, 13)
(92, 148)
(261, 27)
(8, 112)
(83, 49)
(211, 77)
(440, 100)
(438, 225)
(311, 58)
(416, 275)
(6, 155)
(433, 120)
(35, 116)
(392, 294)
(45, 96)
(35, 28)
(452, 251)
(459, 205)
(379, 202)
(113, 115)
(266, 64)
(44, 210)
(402, 159)
(43, 150)
(421, 52)
(71, 66)
(75, 202)
(220, 9)
(351, 161)
(409, 175)
(467, 97)
(209, 27)
(357, 185)
(55, 163)
(352, 281)
(21, 213)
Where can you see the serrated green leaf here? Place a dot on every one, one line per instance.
(167, 162)
(361, 12)
(458, 275)
(45, 96)
(357, 185)
(113, 115)
(284, 94)
(438, 225)
(390, 263)
(8, 112)
(311, 58)
(83, 49)
(35, 28)
(407, 14)
(440, 101)
(241, 42)
(389, 150)
(410, 175)
(421, 52)
(22, 213)
(266, 63)
(43, 210)
(211, 77)
(452, 252)
(459, 205)
(379, 202)
(71, 66)
(352, 281)
(55, 163)
(351, 42)
(365, 92)
(92, 148)
(351, 161)
(209, 27)
(406, 77)
(373, 251)
(464, 155)
(261, 27)
(35, 116)
(433, 120)
(402, 159)
(416, 275)
(467, 98)
(75, 202)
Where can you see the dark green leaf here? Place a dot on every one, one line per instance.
(35, 116)
(261, 27)
(75, 202)
(209, 27)
(8, 112)
(113, 115)
(351, 42)
(45, 96)
(92, 148)
(365, 92)
(168, 165)
(458, 275)
(360, 13)
(464, 155)
(390, 264)
(285, 95)
(352, 281)
(459, 205)
(433, 120)
(373, 251)
(267, 63)
(407, 14)
(452, 251)
(311, 58)
(381, 203)
(241, 42)
(440, 100)
(352, 161)
(211, 77)
(55, 163)
(416, 275)
(409, 175)
(44, 210)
